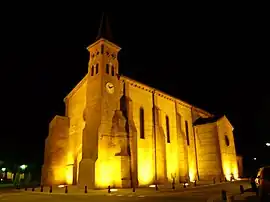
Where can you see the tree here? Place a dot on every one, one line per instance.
(17, 179)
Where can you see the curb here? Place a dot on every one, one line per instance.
(86, 194)
(130, 193)
(74, 194)
(141, 192)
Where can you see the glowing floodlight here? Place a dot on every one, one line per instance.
(23, 167)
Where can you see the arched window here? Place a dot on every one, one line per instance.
(142, 123)
(107, 68)
(187, 133)
(96, 68)
(168, 130)
(112, 70)
(92, 70)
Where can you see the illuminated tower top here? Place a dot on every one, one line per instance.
(103, 52)
(104, 30)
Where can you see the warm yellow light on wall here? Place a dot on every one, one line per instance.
(108, 172)
(235, 171)
(145, 171)
(70, 158)
(172, 163)
(145, 165)
(103, 174)
(192, 175)
(59, 175)
(192, 171)
(79, 158)
(69, 174)
(229, 169)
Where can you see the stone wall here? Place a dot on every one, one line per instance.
(75, 105)
(227, 148)
(142, 100)
(100, 166)
(184, 112)
(209, 161)
(54, 168)
(102, 142)
(182, 149)
(168, 119)
(176, 158)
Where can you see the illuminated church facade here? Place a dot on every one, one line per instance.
(120, 132)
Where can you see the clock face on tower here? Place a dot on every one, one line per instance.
(110, 88)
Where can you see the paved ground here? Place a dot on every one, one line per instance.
(246, 197)
(198, 194)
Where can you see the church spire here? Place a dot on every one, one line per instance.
(104, 30)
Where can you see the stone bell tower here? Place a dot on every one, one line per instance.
(102, 102)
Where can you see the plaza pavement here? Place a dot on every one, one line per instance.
(193, 194)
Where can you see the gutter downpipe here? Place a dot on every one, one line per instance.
(155, 135)
(195, 146)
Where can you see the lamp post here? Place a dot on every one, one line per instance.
(23, 167)
(4, 174)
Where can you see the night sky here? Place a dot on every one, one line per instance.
(218, 62)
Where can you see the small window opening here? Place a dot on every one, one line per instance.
(92, 70)
(187, 133)
(168, 129)
(142, 123)
(96, 68)
(107, 68)
(102, 49)
(112, 70)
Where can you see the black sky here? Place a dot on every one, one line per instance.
(218, 62)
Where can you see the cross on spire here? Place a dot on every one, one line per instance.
(104, 30)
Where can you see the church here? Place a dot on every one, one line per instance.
(119, 132)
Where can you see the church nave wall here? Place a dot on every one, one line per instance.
(142, 116)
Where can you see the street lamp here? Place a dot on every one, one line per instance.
(267, 144)
(23, 167)
(3, 169)
(254, 159)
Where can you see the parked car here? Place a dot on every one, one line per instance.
(263, 183)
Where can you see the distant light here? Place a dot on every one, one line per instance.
(113, 190)
(61, 186)
(152, 185)
(267, 144)
(3, 169)
(23, 167)
(254, 159)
